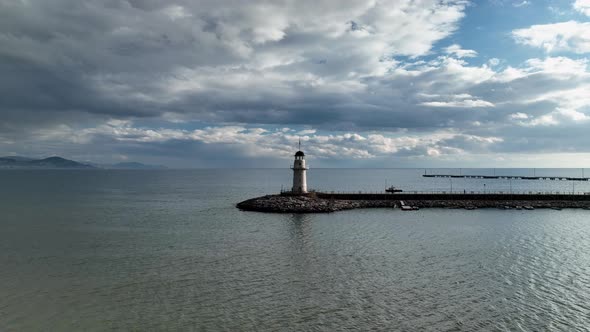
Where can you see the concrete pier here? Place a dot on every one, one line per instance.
(429, 196)
(316, 202)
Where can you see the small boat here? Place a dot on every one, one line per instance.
(406, 208)
(393, 190)
(518, 207)
(528, 207)
(415, 208)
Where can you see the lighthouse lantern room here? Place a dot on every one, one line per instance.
(299, 170)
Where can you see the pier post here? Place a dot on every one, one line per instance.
(573, 187)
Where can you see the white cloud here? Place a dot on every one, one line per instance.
(494, 62)
(568, 36)
(456, 50)
(176, 12)
(583, 6)
(558, 68)
(519, 116)
(557, 65)
(263, 143)
(554, 118)
(306, 132)
(459, 102)
(468, 103)
(521, 4)
(572, 114)
(576, 98)
(544, 120)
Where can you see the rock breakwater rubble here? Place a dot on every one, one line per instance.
(306, 204)
(311, 204)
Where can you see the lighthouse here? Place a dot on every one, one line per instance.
(299, 176)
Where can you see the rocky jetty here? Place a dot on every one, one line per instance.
(313, 204)
(307, 204)
(500, 204)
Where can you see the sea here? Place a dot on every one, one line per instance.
(166, 250)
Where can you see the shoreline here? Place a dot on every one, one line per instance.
(313, 204)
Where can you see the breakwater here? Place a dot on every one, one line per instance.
(507, 177)
(428, 196)
(309, 204)
(321, 202)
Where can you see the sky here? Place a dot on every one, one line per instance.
(225, 83)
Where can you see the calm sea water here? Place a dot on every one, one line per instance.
(167, 250)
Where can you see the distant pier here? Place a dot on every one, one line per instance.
(507, 177)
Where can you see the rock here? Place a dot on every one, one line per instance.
(306, 204)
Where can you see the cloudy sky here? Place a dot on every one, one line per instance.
(401, 83)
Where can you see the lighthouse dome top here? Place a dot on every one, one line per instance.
(299, 154)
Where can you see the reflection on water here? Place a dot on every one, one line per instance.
(300, 231)
(166, 250)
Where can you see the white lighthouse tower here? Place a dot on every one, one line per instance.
(299, 176)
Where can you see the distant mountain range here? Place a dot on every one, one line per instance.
(51, 162)
(19, 162)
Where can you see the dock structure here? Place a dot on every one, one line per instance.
(302, 200)
(457, 196)
(317, 201)
(507, 177)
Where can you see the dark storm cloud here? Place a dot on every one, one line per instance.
(362, 73)
(114, 57)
